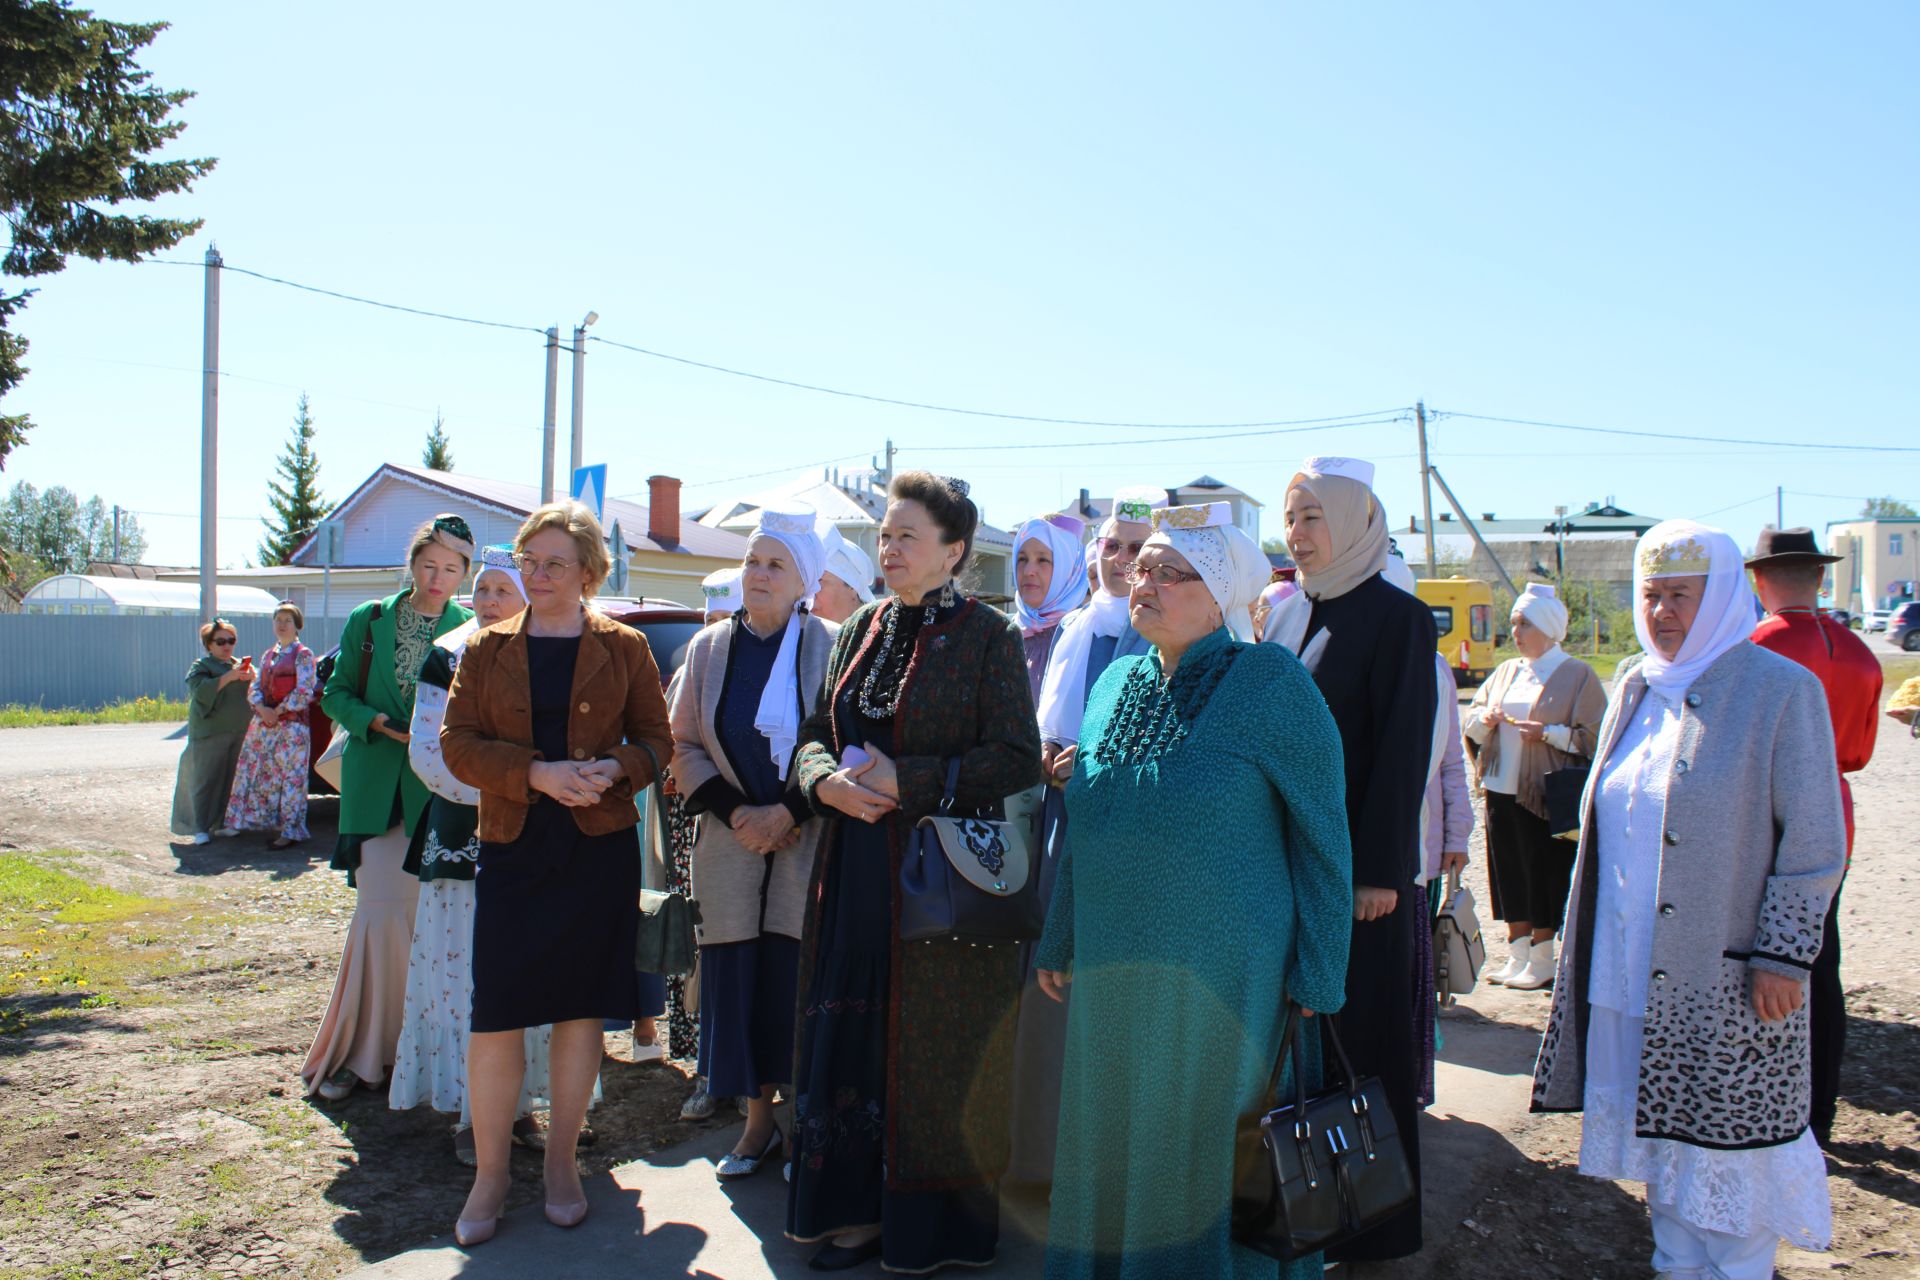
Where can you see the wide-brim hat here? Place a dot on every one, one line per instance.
(1788, 546)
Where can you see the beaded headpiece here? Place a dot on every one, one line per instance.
(957, 487)
(1137, 503)
(497, 556)
(1205, 516)
(452, 532)
(1684, 557)
(720, 586)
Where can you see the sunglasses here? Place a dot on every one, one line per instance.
(225, 643)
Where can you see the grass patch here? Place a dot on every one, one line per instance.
(1602, 663)
(1899, 671)
(131, 711)
(64, 945)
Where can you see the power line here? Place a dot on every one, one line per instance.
(1765, 497)
(1665, 435)
(1125, 444)
(755, 475)
(349, 297)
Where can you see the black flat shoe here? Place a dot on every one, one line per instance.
(835, 1258)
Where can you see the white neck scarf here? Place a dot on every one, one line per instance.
(1063, 689)
(778, 715)
(1686, 548)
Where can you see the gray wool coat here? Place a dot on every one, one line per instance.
(1754, 848)
(741, 894)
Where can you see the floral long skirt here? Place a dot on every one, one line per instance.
(270, 782)
(683, 1020)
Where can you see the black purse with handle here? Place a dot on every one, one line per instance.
(1318, 1170)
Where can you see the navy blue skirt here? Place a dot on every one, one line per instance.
(746, 1014)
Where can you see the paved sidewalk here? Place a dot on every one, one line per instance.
(668, 1216)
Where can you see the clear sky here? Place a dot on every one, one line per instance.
(1692, 218)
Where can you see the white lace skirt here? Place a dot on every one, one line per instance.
(1781, 1190)
(431, 1066)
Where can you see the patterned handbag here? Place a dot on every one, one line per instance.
(972, 879)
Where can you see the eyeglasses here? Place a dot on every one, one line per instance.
(533, 565)
(1163, 575)
(1110, 545)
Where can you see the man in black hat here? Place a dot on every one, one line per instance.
(1788, 569)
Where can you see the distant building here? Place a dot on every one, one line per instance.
(1592, 545)
(668, 555)
(1246, 509)
(1879, 561)
(854, 503)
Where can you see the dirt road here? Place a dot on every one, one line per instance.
(156, 1127)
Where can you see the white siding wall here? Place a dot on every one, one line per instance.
(379, 528)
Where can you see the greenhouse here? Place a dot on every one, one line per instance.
(77, 593)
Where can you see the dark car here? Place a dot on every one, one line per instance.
(668, 627)
(1903, 628)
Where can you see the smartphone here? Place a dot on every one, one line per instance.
(246, 662)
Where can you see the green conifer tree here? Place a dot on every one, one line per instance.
(438, 455)
(295, 497)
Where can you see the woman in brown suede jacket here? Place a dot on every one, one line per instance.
(558, 718)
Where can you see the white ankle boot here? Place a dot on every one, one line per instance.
(1539, 970)
(1516, 962)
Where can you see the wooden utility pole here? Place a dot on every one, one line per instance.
(547, 423)
(1426, 487)
(210, 442)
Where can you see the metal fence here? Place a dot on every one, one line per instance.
(90, 661)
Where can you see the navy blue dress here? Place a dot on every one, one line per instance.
(747, 987)
(839, 1181)
(556, 912)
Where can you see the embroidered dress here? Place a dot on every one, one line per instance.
(1780, 1189)
(430, 1064)
(270, 781)
(1226, 782)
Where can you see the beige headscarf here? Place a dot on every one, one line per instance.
(1355, 520)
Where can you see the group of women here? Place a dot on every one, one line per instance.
(246, 760)
(1237, 823)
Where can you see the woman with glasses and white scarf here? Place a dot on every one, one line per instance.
(1211, 763)
(742, 692)
(1711, 840)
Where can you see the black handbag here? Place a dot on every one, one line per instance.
(1319, 1170)
(972, 879)
(1564, 789)
(666, 943)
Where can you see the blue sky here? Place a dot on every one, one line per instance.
(1686, 218)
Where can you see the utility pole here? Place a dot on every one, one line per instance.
(579, 453)
(1779, 506)
(210, 440)
(889, 463)
(1560, 547)
(116, 535)
(1426, 487)
(553, 406)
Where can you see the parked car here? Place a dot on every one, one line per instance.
(1903, 628)
(1843, 617)
(1874, 619)
(668, 626)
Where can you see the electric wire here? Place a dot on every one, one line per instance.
(1082, 445)
(1433, 414)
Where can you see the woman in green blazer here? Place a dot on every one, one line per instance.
(370, 695)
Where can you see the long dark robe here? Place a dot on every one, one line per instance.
(1376, 674)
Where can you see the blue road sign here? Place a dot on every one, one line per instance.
(590, 488)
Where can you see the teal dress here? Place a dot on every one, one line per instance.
(1208, 880)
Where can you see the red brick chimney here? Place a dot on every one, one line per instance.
(663, 510)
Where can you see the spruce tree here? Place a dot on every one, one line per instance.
(438, 455)
(295, 498)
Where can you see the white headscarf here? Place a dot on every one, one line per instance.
(1063, 689)
(847, 562)
(778, 716)
(1686, 548)
(495, 559)
(1069, 584)
(1540, 605)
(722, 589)
(1227, 560)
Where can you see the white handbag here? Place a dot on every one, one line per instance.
(1458, 950)
(332, 763)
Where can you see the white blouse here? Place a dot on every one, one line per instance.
(1530, 678)
(1629, 811)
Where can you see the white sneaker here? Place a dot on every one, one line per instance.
(226, 833)
(1539, 970)
(647, 1052)
(201, 837)
(1516, 962)
(699, 1104)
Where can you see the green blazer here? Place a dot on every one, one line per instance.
(375, 766)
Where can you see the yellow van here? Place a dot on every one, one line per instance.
(1463, 617)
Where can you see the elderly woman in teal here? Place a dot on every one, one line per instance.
(370, 694)
(1211, 762)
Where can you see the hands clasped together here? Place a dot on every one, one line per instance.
(869, 790)
(576, 784)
